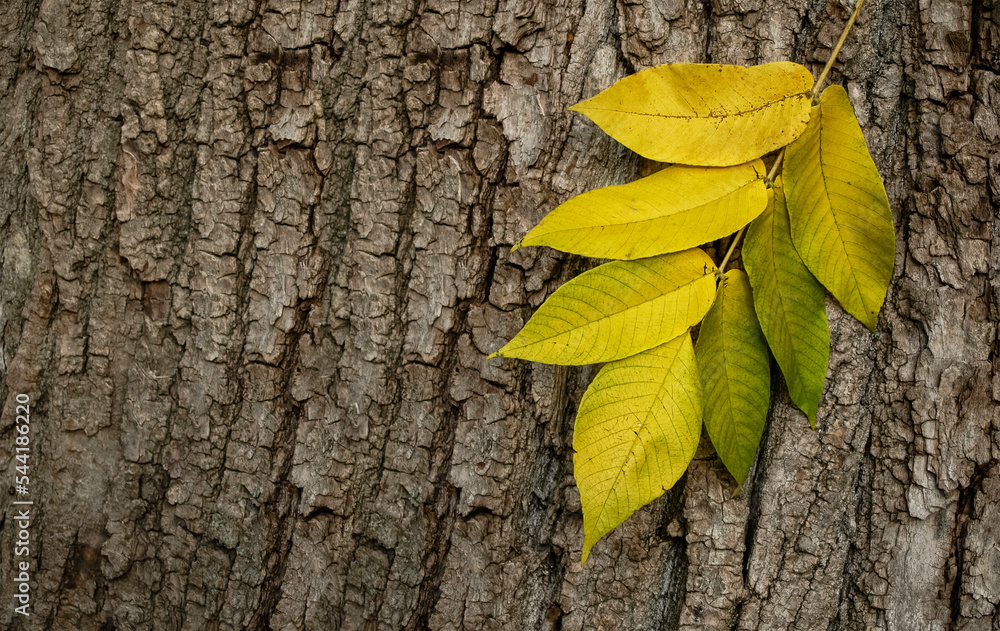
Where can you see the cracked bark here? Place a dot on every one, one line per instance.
(254, 256)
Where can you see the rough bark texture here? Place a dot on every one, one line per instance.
(254, 255)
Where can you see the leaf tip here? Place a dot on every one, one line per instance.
(809, 408)
(739, 474)
(579, 107)
(872, 322)
(866, 317)
(739, 487)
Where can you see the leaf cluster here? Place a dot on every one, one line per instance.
(824, 222)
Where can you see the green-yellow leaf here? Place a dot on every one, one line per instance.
(839, 211)
(674, 209)
(790, 304)
(735, 373)
(705, 114)
(617, 310)
(636, 431)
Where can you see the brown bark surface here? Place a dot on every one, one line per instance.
(254, 255)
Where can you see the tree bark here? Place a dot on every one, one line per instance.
(254, 256)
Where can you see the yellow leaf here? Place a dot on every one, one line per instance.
(678, 207)
(636, 431)
(790, 304)
(617, 310)
(735, 373)
(840, 216)
(705, 114)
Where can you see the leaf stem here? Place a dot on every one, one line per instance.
(769, 179)
(836, 50)
(732, 246)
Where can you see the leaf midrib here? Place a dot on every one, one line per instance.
(690, 209)
(643, 427)
(731, 416)
(696, 117)
(855, 285)
(617, 313)
(773, 260)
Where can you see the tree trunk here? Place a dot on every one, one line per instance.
(255, 254)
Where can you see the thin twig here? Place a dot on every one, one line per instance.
(836, 50)
(732, 246)
(774, 169)
(781, 154)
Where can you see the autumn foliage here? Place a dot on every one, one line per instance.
(824, 222)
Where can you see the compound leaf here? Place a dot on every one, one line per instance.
(790, 304)
(705, 114)
(617, 310)
(735, 373)
(678, 207)
(636, 431)
(839, 211)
